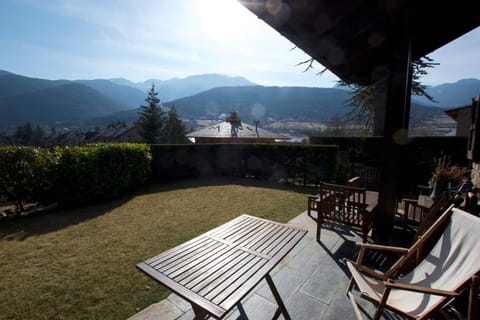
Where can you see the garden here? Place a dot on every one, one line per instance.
(79, 263)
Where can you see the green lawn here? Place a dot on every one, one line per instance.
(80, 263)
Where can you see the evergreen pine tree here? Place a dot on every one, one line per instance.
(174, 131)
(19, 135)
(150, 123)
(361, 98)
(24, 135)
(38, 137)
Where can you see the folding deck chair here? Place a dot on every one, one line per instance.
(450, 267)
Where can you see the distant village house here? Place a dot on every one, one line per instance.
(233, 130)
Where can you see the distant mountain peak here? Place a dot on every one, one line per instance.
(451, 95)
(176, 88)
(122, 81)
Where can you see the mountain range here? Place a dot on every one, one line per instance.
(450, 95)
(178, 88)
(86, 102)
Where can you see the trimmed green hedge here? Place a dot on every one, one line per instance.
(99, 171)
(276, 162)
(71, 174)
(416, 156)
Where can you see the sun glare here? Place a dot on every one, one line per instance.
(223, 20)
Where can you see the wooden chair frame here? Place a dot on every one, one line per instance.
(415, 252)
(342, 205)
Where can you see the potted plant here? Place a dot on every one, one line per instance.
(444, 174)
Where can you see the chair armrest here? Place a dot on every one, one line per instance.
(414, 203)
(411, 287)
(367, 270)
(381, 247)
(363, 246)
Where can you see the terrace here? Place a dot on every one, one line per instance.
(80, 263)
(312, 281)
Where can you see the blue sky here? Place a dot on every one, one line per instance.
(164, 39)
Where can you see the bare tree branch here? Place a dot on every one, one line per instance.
(321, 71)
(309, 62)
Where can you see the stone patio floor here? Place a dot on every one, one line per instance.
(312, 280)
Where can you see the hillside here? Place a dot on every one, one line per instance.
(451, 95)
(13, 84)
(99, 102)
(40, 101)
(260, 103)
(266, 103)
(63, 103)
(125, 96)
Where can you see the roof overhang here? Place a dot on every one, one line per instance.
(356, 39)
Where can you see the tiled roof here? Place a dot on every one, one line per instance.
(245, 130)
(114, 132)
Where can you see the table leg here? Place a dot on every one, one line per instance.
(200, 314)
(281, 306)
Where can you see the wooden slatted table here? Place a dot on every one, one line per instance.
(216, 270)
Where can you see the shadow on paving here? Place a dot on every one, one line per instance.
(380, 260)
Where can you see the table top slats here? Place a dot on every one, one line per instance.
(223, 276)
(276, 236)
(177, 251)
(260, 237)
(218, 268)
(220, 286)
(231, 228)
(206, 263)
(212, 308)
(248, 230)
(195, 260)
(173, 261)
(280, 242)
(242, 291)
(205, 275)
(226, 290)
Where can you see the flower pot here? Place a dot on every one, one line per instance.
(437, 189)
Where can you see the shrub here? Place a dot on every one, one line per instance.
(100, 171)
(25, 174)
(71, 175)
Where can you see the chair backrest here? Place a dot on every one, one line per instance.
(451, 263)
(342, 204)
(436, 210)
(355, 182)
(432, 215)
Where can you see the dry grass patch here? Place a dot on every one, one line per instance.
(80, 263)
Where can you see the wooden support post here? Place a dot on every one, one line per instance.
(397, 105)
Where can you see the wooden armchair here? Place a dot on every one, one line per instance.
(345, 206)
(414, 210)
(312, 200)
